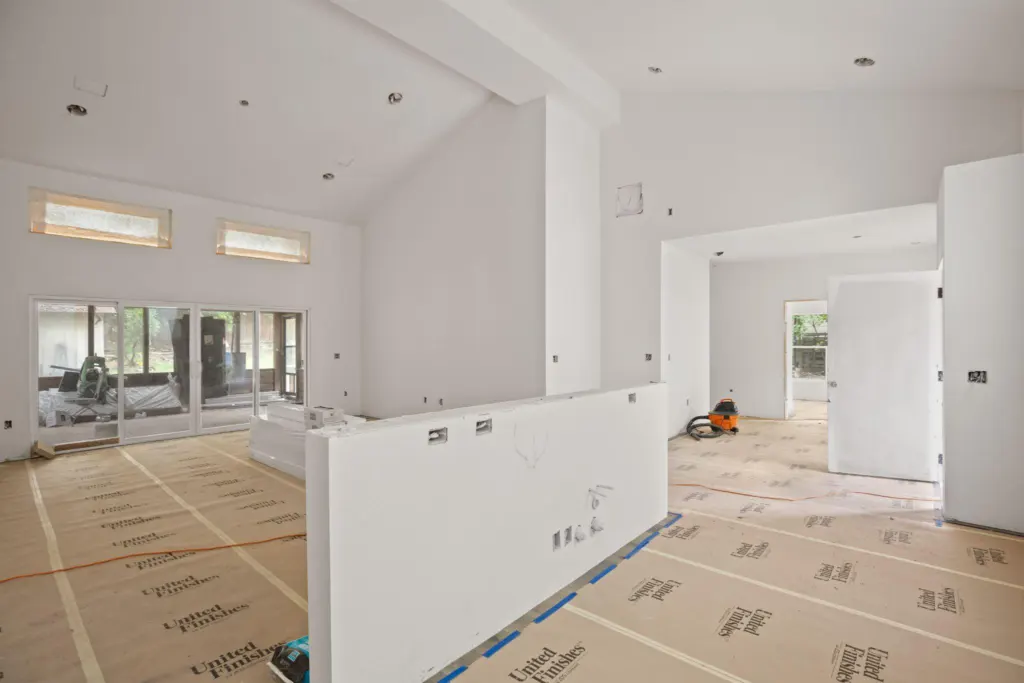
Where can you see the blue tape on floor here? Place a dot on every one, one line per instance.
(554, 608)
(458, 672)
(501, 643)
(641, 544)
(603, 573)
(675, 518)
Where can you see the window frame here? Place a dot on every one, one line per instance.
(226, 225)
(39, 198)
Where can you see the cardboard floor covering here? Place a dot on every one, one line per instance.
(167, 617)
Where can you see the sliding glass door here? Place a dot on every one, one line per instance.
(123, 372)
(157, 378)
(228, 367)
(78, 378)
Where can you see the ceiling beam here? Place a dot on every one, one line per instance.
(494, 44)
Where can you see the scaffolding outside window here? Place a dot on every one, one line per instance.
(66, 215)
(254, 241)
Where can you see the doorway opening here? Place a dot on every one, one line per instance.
(806, 360)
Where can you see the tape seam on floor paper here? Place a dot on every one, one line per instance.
(501, 643)
(842, 608)
(655, 645)
(244, 461)
(86, 655)
(249, 559)
(858, 550)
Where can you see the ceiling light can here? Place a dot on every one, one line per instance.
(395, 98)
(77, 110)
(864, 61)
(244, 103)
(328, 176)
(654, 69)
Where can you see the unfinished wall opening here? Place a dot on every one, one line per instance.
(806, 360)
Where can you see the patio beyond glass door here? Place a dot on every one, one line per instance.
(228, 368)
(77, 373)
(157, 352)
(282, 375)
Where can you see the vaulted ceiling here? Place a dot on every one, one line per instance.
(793, 45)
(317, 80)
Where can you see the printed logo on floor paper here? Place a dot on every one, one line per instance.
(174, 587)
(197, 621)
(840, 573)
(752, 551)
(851, 663)
(239, 494)
(729, 475)
(687, 467)
(818, 520)
(697, 495)
(281, 519)
(549, 665)
(944, 600)
(261, 504)
(740, 619)
(780, 484)
(984, 556)
(207, 473)
(131, 521)
(682, 533)
(233, 661)
(902, 504)
(108, 496)
(141, 540)
(157, 560)
(754, 507)
(653, 589)
(895, 536)
(224, 482)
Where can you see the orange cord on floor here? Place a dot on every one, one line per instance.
(797, 500)
(151, 552)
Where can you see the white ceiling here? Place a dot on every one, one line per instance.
(793, 45)
(885, 230)
(317, 79)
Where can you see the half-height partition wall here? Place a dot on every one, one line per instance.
(428, 534)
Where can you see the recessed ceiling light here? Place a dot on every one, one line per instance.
(654, 69)
(244, 103)
(395, 98)
(328, 176)
(864, 61)
(77, 110)
(857, 237)
(719, 253)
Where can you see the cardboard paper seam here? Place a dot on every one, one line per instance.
(86, 655)
(655, 645)
(249, 559)
(842, 608)
(859, 550)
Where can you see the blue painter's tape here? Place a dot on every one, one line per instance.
(554, 608)
(455, 674)
(603, 573)
(675, 518)
(938, 522)
(501, 643)
(641, 544)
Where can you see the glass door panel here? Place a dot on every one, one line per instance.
(281, 359)
(77, 373)
(157, 379)
(227, 369)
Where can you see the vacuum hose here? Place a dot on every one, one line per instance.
(705, 430)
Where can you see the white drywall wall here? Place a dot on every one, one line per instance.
(572, 258)
(727, 162)
(32, 264)
(983, 290)
(454, 273)
(686, 334)
(748, 318)
(406, 577)
(802, 388)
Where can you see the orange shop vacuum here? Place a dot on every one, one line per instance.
(724, 418)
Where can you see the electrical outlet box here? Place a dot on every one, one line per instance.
(8, 424)
(977, 376)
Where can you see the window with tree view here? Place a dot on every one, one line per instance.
(810, 345)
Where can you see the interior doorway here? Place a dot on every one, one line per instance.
(806, 363)
(117, 372)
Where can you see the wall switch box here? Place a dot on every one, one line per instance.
(977, 376)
